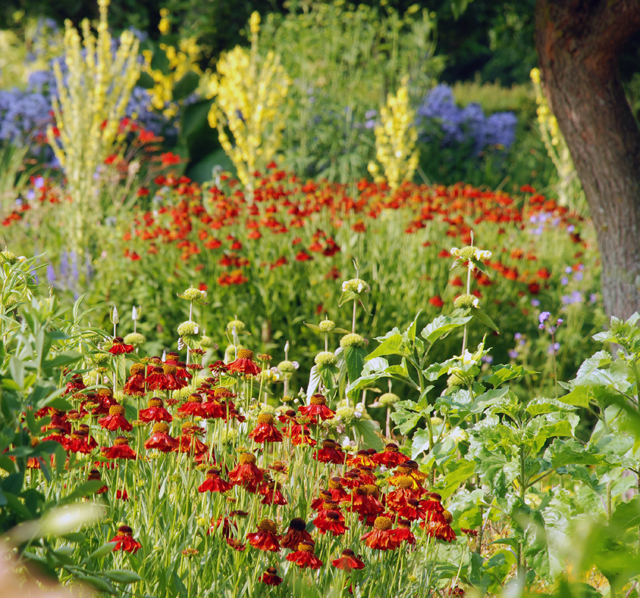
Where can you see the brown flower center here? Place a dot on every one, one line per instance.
(383, 524)
(155, 402)
(160, 427)
(266, 525)
(245, 354)
(265, 418)
(405, 482)
(137, 368)
(247, 458)
(318, 400)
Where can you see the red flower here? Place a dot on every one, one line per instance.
(271, 578)
(304, 557)
(303, 256)
(214, 483)
(115, 420)
(157, 379)
(362, 458)
(391, 456)
(265, 431)
(161, 440)
(397, 499)
(329, 521)
(135, 384)
(124, 540)
(169, 159)
(189, 441)
(330, 453)
(273, 494)
(118, 347)
(436, 301)
(78, 443)
(244, 364)
(193, 406)
(348, 561)
(403, 533)
(295, 534)
(247, 473)
(265, 538)
(94, 474)
(155, 412)
(119, 450)
(317, 408)
(381, 537)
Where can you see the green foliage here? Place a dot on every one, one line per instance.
(365, 53)
(40, 343)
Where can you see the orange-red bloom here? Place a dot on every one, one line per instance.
(214, 483)
(118, 347)
(271, 577)
(160, 439)
(348, 561)
(265, 431)
(124, 540)
(265, 538)
(119, 450)
(155, 412)
(381, 537)
(244, 364)
(304, 557)
(246, 473)
(295, 534)
(317, 408)
(115, 420)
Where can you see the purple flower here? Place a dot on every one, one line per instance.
(513, 354)
(564, 281)
(542, 318)
(535, 302)
(487, 359)
(553, 349)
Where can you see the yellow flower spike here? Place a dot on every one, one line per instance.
(396, 139)
(250, 92)
(91, 103)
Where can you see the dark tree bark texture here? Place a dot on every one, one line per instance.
(578, 43)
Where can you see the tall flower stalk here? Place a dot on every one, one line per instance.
(93, 96)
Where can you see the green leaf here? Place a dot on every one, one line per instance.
(571, 452)
(393, 345)
(96, 582)
(368, 428)
(463, 471)
(627, 514)
(85, 489)
(354, 359)
(479, 315)
(100, 552)
(420, 443)
(441, 326)
(16, 368)
(122, 576)
(187, 84)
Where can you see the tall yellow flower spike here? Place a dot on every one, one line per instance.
(250, 91)
(182, 60)
(92, 100)
(396, 139)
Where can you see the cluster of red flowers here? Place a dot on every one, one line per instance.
(282, 205)
(386, 505)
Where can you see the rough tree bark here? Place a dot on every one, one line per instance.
(578, 43)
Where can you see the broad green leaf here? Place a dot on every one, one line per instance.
(393, 345)
(367, 428)
(122, 576)
(481, 316)
(354, 360)
(441, 326)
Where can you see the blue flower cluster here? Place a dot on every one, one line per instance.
(464, 125)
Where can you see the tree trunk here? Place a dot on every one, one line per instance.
(578, 43)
